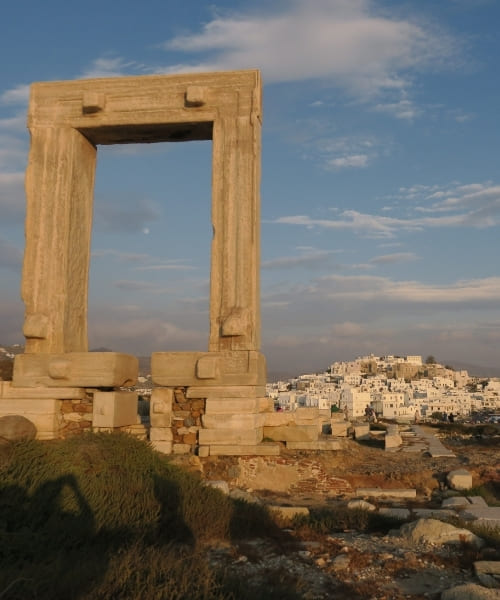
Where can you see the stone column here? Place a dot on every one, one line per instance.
(59, 195)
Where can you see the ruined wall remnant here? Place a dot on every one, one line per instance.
(67, 121)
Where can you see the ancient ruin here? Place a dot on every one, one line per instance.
(67, 121)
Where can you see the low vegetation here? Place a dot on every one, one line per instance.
(103, 516)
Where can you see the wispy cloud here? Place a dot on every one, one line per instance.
(309, 258)
(352, 160)
(348, 42)
(16, 95)
(396, 257)
(464, 293)
(111, 66)
(473, 205)
(403, 109)
(125, 257)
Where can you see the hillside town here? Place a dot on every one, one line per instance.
(404, 388)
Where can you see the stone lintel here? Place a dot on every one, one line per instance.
(233, 421)
(114, 409)
(135, 109)
(237, 367)
(79, 369)
(7, 390)
(295, 433)
(263, 449)
(227, 391)
(230, 436)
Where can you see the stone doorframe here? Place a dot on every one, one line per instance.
(67, 120)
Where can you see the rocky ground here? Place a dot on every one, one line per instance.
(347, 564)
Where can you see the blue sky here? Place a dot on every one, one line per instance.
(380, 180)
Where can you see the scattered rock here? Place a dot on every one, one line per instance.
(433, 531)
(341, 562)
(361, 505)
(470, 591)
(15, 428)
(488, 573)
(221, 485)
(459, 479)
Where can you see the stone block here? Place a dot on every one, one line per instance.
(160, 411)
(304, 413)
(392, 441)
(314, 445)
(296, 433)
(234, 421)
(362, 432)
(459, 479)
(477, 501)
(237, 367)
(114, 409)
(160, 434)
(203, 451)
(488, 573)
(7, 390)
(395, 513)
(434, 513)
(456, 502)
(230, 436)
(165, 447)
(277, 419)
(75, 369)
(263, 449)
(386, 493)
(337, 417)
(44, 413)
(181, 448)
(339, 429)
(229, 406)
(226, 391)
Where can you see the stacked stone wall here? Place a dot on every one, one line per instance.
(186, 421)
(76, 417)
(298, 475)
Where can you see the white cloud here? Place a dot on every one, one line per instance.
(478, 207)
(17, 95)
(17, 123)
(347, 42)
(353, 160)
(308, 258)
(362, 288)
(396, 257)
(114, 66)
(404, 109)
